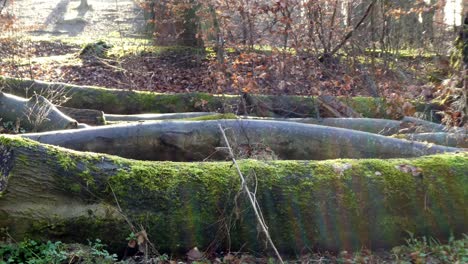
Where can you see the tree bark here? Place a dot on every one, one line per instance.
(199, 140)
(35, 114)
(86, 116)
(177, 23)
(440, 138)
(53, 193)
(384, 127)
(153, 117)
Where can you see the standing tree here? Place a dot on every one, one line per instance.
(177, 22)
(83, 5)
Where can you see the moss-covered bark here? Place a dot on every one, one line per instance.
(113, 101)
(50, 192)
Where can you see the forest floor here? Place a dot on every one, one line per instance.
(62, 18)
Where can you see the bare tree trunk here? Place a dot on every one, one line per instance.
(177, 24)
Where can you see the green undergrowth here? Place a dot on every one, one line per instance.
(37, 252)
(415, 250)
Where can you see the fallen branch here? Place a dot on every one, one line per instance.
(252, 199)
(336, 107)
(351, 32)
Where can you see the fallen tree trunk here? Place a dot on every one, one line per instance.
(439, 138)
(198, 140)
(371, 125)
(86, 116)
(422, 126)
(114, 101)
(153, 117)
(35, 114)
(53, 193)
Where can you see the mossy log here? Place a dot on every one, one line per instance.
(198, 140)
(35, 114)
(53, 193)
(113, 101)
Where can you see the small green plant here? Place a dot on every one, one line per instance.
(162, 258)
(12, 128)
(131, 236)
(32, 252)
(96, 49)
(96, 254)
(429, 250)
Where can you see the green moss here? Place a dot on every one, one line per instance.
(65, 161)
(289, 190)
(213, 117)
(91, 227)
(109, 98)
(15, 141)
(75, 187)
(368, 106)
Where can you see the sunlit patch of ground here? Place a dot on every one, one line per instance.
(62, 18)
